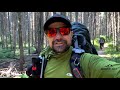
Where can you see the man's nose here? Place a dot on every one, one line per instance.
(58, 35)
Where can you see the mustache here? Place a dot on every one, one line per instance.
(59, 41)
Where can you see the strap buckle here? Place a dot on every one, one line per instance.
(76, 63)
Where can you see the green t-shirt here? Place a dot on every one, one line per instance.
(93, 66)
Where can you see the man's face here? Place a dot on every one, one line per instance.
(58, 42)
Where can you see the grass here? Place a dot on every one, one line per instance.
(114, 55)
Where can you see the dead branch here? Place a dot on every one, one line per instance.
(11, 71)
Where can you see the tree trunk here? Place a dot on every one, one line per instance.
(20, 42)
(28, 27)
(15, 18)
(117, 29)
(76, 16)
(63, 13)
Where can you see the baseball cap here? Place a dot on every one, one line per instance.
(57, 18)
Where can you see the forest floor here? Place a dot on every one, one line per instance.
(10, 67)
(4, 63)
(102, 52)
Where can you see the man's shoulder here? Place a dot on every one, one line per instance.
(45, 50)
(88, 55)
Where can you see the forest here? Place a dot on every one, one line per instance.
(22, 35)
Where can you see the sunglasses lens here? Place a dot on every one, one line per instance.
(64, 31)
(51, 32)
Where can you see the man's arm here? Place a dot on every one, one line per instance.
(95, 66)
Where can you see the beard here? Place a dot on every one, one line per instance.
(60, 46)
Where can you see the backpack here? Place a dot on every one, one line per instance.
(83, 37)
(102, 40)
(81, 43)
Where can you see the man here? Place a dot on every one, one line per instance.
(59, 35)
(101, 42)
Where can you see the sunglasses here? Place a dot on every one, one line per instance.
(53, 31)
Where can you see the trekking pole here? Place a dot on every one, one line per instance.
(42, 68)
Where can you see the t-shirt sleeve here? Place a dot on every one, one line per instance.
(94, 66)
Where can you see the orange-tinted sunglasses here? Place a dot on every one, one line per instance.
(53, 31)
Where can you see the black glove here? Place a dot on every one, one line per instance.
(34, 69)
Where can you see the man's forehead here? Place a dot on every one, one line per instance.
(57, 25)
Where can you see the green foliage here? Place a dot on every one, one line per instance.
(2, 55)
(97, 47)
(9, 54)
(6, 53)
(109, 39)
(5, 50)
(114, 55)
(24, 76)
(103, 36)
(96, 43)
(1, 42)
(32, 49)
(117, 59)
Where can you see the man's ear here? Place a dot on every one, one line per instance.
(46, 37)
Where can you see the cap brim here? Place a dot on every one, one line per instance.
(56, 19)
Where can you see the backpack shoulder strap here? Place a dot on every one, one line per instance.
(75, 60)
(75, 65)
